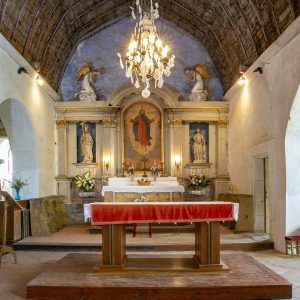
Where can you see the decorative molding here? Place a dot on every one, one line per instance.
(60, 124)
(175, 123)
(198, 165)
(223, 123)
(110, 123)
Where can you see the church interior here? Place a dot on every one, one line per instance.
(149, 149)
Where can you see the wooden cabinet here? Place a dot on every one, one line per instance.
(246, 218)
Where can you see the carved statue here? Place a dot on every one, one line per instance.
(86, 144)
(196, 74)
(88, 77)
(199, 147)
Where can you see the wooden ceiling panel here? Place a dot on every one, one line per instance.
(233, 31)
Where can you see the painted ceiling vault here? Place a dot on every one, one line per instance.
(234, 32)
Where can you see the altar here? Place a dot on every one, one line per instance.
(206, 215)
(127, 189)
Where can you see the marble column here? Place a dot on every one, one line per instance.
(175, 144)
(61, 133)
(222, 157)
(109, 147)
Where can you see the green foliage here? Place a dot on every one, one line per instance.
(18, 183)
(85, 182)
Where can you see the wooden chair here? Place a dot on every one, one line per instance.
(292, 244)
(8, 200)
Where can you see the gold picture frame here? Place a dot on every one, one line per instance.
(142, 134)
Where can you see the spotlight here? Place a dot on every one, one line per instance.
(39, 80)
(242, 80)
(22, 70)
(259, 70)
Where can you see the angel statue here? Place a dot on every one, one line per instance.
(196, 74)
(88, 77)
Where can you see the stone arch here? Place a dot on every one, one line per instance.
(22, 141)
(292, 157)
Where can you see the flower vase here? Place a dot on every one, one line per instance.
(17, 195)
(154, 176)
(83, 194)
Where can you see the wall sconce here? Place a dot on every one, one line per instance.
(259, 70)
(177, 162)
(22, 70)
(242, 80)
(106, 162)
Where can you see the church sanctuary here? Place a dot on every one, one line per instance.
(149, 149)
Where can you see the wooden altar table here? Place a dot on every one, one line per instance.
(206, 215)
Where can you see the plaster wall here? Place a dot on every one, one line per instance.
(28, 115)
(292, 146)
(258, 118)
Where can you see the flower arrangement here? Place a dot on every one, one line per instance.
(141, 199)
(17, 183)
(144, 181)
(155, 169)
(130, 170)
(85, 182)
(194, 181)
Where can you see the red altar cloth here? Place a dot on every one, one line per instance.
(160, 212)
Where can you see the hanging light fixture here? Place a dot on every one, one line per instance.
(147, 58)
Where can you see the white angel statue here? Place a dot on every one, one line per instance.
(196, 74)
(88, 77)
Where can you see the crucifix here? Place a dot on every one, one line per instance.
(144, 160)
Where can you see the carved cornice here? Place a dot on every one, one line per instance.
(110, 123)
(60, 124)
(175, 123)
(223, 123)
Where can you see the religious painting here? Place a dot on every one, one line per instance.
(142, 135)
(86, 142)
(198, 139)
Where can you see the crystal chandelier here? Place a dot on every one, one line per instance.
(146, 58)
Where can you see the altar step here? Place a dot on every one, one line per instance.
(73, 278)
(164, 238)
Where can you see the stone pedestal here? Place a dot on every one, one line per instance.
(200, 95)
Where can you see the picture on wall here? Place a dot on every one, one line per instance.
(199, 146)
(86, 142)
(142, 135)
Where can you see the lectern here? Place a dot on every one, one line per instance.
(8, 200)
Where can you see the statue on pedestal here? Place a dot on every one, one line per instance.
(199, 147)
(196, 74)
(86, 144)
(88, 77)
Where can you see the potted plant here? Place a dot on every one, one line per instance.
(197, 182)
(17, 184)
(85, 184)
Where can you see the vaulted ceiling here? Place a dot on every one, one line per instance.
(234, 31)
